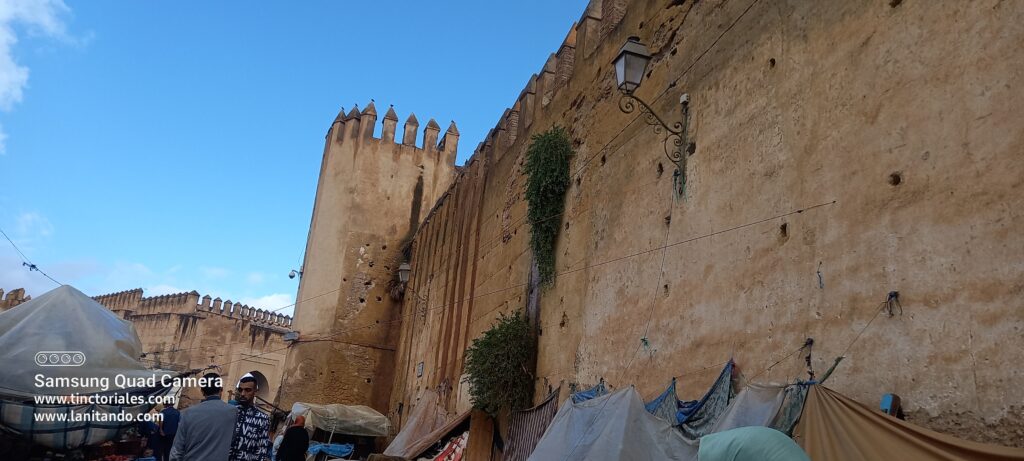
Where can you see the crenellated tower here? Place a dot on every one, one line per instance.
(371, 195)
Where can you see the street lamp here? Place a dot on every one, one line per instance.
(630, 67)
(403, 272)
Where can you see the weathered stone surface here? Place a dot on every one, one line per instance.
(878, 144)
(371, 196)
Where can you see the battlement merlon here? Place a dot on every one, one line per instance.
(358, 127)
(242, 312)
(185, 303)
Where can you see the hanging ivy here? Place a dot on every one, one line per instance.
(497, 365)
(547, 170)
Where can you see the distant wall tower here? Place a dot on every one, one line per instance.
(370, 198)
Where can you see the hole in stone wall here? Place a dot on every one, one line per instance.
(691, 148)
(371, 263)
(344, 280)
(895, 178)
(673, 52)
(378, 299)
(383, 247)
(895, 3)
(603, 159)
(771, 63)
(666, 289)
(368, 283)
(368, 380)
(362, 300)
(784, 231)
(578, 179)
(661, 169)
(641, 25)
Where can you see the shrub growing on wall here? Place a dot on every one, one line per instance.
(547, 170)
(497, 364)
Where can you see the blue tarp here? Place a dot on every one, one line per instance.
(596, 391)
(667, 406)
(339, 450)
(699, 416)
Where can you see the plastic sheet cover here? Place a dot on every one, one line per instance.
(750, 443)
(837, 428)
(343, 419)
(99, 347)
(755, 405)
(611, 427)
(66, 320)
(427, 417)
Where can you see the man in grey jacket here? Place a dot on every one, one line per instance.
(206, 429)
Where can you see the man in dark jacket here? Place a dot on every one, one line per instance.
(252, 429)
(295, 442)
(168, 428)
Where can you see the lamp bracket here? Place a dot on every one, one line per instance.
(677, 145)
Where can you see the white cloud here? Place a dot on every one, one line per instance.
(32, 225)
(162, 289)
(41, 17)
(255, 278)
(272, 302)
(125, 276)
(214, 272)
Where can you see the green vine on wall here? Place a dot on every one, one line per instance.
(547, 170)
(497, 365)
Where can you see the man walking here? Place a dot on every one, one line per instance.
(252, 429)
(206, 430)
(168, 428)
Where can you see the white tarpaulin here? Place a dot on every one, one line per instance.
(66, 326)
(755, 405)
(89, 343)
(615, 426)
(424, 419)
(343, 419)
(65, 343)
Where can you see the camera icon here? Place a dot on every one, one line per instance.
(60, 358)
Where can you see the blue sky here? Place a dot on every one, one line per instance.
(175, 146)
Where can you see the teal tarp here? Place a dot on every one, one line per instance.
(752, 443)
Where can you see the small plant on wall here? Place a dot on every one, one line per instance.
(547, 170)
(497, 365)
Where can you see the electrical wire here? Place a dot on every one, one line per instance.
(25, 261)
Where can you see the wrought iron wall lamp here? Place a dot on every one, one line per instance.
(630, 66)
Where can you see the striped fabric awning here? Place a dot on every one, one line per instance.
(526, 427)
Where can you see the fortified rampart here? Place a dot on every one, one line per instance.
(371, 196)
(183, 331)
(14, 297)
(844, 150)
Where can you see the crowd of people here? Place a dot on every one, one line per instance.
(214, 430)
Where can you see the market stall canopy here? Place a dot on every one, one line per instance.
(356, 420)
(611, 427)
(70, 344)
(837, 428)
(66, 334)
(425, 418)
